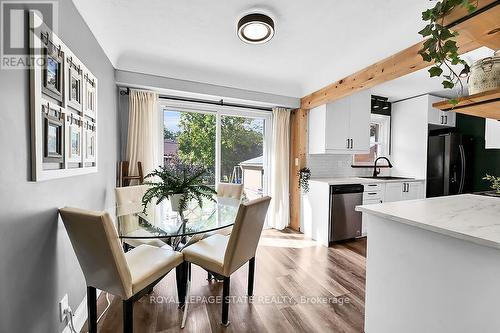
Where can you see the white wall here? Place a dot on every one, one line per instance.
(409, 131)
(37, 263)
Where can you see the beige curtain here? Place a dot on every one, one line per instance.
(279, 214)
(142, 139)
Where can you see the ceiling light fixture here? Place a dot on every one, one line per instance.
(255, 28)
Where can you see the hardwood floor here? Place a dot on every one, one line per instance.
(299, 287)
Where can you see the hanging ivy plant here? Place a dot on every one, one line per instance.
(304, 176)
(440, 48)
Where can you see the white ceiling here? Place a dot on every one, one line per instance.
(316, 42)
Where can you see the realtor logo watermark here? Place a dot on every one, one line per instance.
(14, 30)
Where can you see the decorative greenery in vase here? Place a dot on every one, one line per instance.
(178, 181)
(495, 182)
(304, 176)
(440, 48)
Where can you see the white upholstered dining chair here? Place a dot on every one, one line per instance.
(223, 255)
(106, 267)
(128, 202)
(228, 191)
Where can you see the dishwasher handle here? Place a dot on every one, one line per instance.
(348, 188)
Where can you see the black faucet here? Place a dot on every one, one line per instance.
(375, 172)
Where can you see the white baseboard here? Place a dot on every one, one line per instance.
(79, 316)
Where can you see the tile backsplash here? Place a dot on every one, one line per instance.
(325, 165)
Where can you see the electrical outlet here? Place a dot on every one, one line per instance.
(63, 305)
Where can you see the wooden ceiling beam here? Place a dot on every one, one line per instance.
(478, 30)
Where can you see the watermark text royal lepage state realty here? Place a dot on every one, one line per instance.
(14, 30)
(261, 299)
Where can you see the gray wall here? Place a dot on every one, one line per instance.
(37, 262)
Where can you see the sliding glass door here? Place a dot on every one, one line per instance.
(230, 143)
(242, 153)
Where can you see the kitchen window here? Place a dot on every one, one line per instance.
(380, 133)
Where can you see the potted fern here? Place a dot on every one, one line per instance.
(179, 182)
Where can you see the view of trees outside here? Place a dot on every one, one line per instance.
(241, 140)
(191, 137)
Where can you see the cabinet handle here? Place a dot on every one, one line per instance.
(347, 143)
(446, 120)
(371, 193)
(442, 120)
(351, 143)
(372, 184)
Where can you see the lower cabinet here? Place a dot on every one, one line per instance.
(373, 194)
(403, 191)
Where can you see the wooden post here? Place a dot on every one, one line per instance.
(298, 159)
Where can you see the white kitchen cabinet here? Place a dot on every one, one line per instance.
(403, 191)
(492, 134)
(341, 127)
(359, 122)
(373, 194)
(414, 190)
(438, 117)
(393, 192)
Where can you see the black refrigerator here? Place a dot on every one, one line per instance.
(449, 158)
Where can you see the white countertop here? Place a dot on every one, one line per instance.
(469, 217)
(359, 180)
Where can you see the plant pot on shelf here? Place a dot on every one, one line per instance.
(485, 74)
(175, 202)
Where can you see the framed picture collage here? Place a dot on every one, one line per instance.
(64, 114)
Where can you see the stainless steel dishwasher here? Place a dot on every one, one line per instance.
(345, 222)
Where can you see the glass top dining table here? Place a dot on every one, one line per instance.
(160, 222)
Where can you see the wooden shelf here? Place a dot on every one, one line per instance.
(484, 105)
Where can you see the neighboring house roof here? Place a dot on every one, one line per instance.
(257, 161)
(170, 147)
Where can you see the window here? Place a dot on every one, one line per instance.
(230, 143)
(380, 129)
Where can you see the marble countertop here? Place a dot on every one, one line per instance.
(359, 180)
(468, 217)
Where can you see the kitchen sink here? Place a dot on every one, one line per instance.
(386, 177)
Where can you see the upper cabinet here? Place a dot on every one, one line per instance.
(438, 117)
(492, 134)
(341, 127)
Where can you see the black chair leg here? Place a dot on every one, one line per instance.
(225, 301)
(92, 309)
(128, 316)
(181, 276)
(251, 274)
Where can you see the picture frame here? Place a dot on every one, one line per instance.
(90, 96)
(74, 139)
(90, 142)
(52, 69)
(53, 134)
(58, 112)
(75, 85)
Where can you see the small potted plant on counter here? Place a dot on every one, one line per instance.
(180, 183)
(495, 184)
